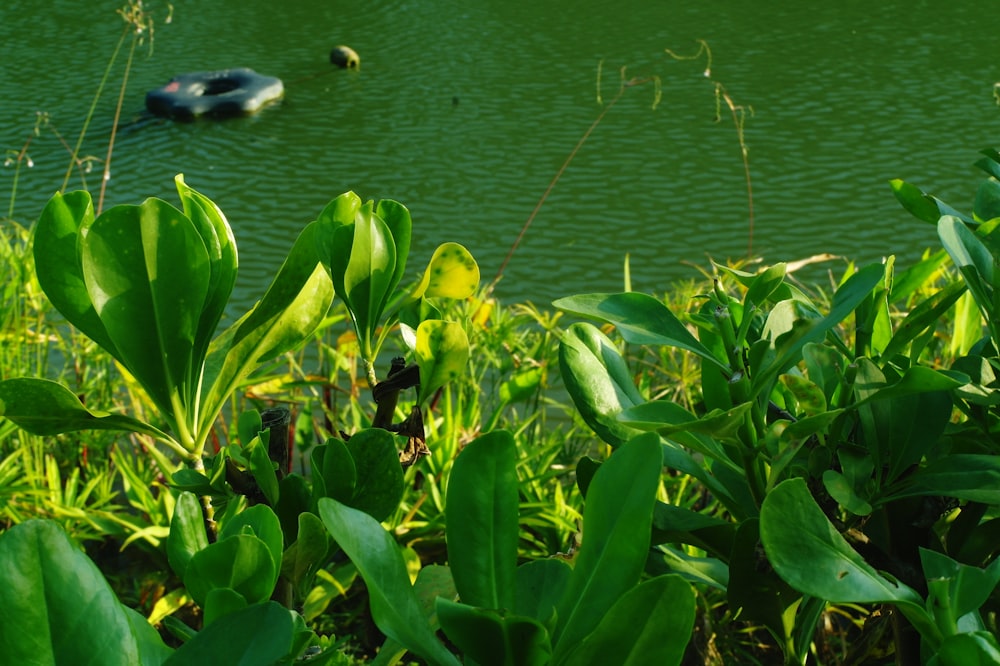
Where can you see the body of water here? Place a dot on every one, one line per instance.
(464, 112)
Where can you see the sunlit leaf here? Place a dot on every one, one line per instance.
(451, 273)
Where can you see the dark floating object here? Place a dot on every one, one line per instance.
(224, 94)
(345, 57)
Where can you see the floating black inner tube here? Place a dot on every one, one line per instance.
(223, 94)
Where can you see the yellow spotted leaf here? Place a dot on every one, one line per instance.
(452, 273)
(442, 353)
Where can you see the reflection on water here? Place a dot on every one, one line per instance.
(464, 111)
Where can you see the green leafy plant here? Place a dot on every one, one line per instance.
(541, 612)
(787, 394)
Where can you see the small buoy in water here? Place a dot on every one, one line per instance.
(344, 57)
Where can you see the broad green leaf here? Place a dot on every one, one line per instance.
(972, 258)
(394, 605)
(902, 418)
(851, 294)
(844, 493)
(810, 555)
(442, 352)
(44, 407)
(966, 476)
(673, 421)
(968, 587)
(220, 244)
(295, 304)
(264, 524)
(56, 250)
(334, 472)
(452, 273)
(309, 550)
(482, 521)
(147, 272)
(379, 486)
(397, 219)
(924, 316)
(241, 562)
(492, 638)
(699, 570)
(650, 624)
(152, 650)
(368, 275)
(987, 203)
(763, 285)
(922, 206)
(187, 533)
(263, 469)
(978, 648)
(640, 318)
(55, 605)
(248, 426)
(540, 585)
(617, 518)
(675, 524)
(259, 635)
(598, 381)
(220, 602)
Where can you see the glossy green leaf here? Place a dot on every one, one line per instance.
(640, 318)
(808, 552)
(379, 486)
(844, 493)
(442, 352)
(222, 601)
(397, 219)
(494, 639)
(617, 519)
(482, 521)
(248, 426)
(241, 562)
(764, 284)
(969, 587)
(966, 476)
(925, 315)
(334, 472)
(263, 469)
(259, 635)
(52, 600)
(293, 306)
(650, 624)
(598, 381)
(263, 523)
(220, 244)
(978, 648)
(44, 407)
(394, 606)
(902, 417)
(540, 585)
(922, 206)
(187, 532)
(368, 274)
(451, 273)
(147, 273)
(308, 552)
(972, 258)
(56, 250)
(851, 294)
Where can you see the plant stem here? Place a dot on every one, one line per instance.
(555, 179)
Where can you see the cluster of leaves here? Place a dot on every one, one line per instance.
(832, 442)
(149, 284)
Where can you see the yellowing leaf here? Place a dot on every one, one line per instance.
(452, 273)
(442, 352)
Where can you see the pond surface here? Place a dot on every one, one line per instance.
(465, 111)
